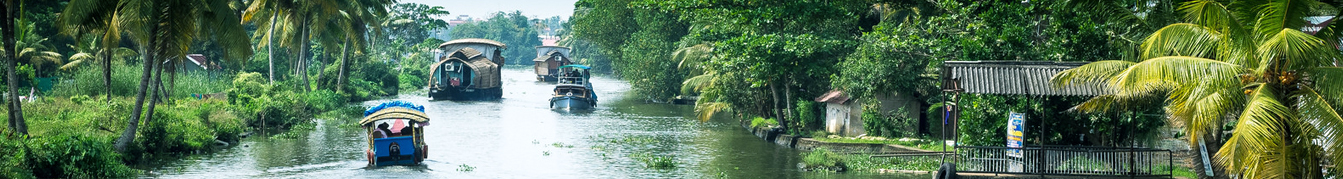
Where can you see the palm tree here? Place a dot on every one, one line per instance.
(31, 48)
(87, 50)
(691, 59)
(164, 30)
(7, 17)
(94, 17)
(1240, 59)
(275, 9)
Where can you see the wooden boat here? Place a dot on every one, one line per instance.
(468, 69)
(572, 90)
(548, 61)
(395, 134)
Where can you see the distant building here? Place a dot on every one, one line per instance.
(843, 115)
(197, 63)
(462, 19)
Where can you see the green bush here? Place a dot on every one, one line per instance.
(173, 130)
(890, 124)
(69, 155)
(807, 117)
(823, 159)
(758, 122)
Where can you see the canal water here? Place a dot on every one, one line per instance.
(520, 137)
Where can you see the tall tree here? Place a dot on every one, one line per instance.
(10, 14)
(94, 17)
(1244, 59)
(266, 13)
(165, 30)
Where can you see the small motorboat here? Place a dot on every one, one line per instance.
(395, 134)
(572, 90)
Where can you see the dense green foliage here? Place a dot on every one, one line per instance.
(758, 58)
(513, 29)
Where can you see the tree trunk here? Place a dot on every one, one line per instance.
(172, 82)
(157, 85)
(321, 69)
(108, 52)
(778, 111)
(303, 54)
(344, 62)
(270, 48)
(788, 102)
(15, 106)
(146, 48)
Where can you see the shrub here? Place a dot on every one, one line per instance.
(69, 155)
(807, 111)
(823, 159)
(173, 131)
(763, 122)
(890, 124)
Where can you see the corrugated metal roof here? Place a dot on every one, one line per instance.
(1014, 77)
(473, 40)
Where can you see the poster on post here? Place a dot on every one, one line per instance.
(1016, 127)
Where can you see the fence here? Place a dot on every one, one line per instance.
(1059, 160)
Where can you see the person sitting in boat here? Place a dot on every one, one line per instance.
(406, 130)
(382, 131)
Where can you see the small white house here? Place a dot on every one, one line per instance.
(843, 116)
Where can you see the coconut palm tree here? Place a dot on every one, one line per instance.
(88, 50)
(8, 13)
(164, 30)
(94, 17)
(32, 49)
(691, 59)
(273, 11)
(1243, 62)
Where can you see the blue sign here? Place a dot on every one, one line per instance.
(1016, 128)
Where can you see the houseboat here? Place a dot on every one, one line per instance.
(548, 61)
(468, 69)
(573, 90)
(395, 134)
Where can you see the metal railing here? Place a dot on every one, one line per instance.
(1066, 160)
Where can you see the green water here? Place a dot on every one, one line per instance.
(520, 137)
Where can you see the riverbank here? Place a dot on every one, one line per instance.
(72, 137)
(839, 154)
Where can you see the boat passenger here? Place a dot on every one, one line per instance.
(383, 131)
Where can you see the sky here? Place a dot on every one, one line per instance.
(480, 9)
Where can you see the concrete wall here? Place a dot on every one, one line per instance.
(844, 119)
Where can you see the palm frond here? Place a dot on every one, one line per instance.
(1201, 109)
(706, 111)
(697, 83)
(1276, 15)
(1323, 116)
(1091, 73)
(1210, 13)
(1328, 81)
(692, 54)
(1291, 50)
(1164, 73)
(1256, 148)
(1182, 39)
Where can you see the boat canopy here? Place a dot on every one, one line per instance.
(395, 110)
(395, 113)
(577, 66)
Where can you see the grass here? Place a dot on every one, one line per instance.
(923, 144)
(824, 160)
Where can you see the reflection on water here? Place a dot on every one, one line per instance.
(520, 137)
